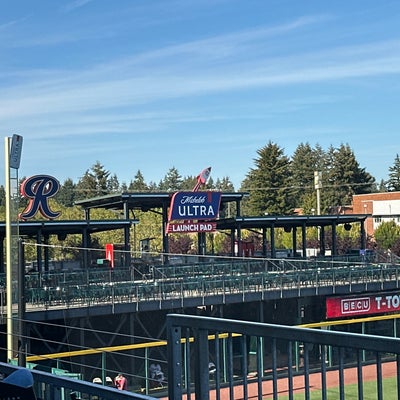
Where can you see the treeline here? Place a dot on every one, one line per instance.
(277, 183)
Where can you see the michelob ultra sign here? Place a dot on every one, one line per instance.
(200, 206)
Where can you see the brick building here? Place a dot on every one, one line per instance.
(380, 207)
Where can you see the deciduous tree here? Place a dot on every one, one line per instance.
(386, 235)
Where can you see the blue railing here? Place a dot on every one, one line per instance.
(258, 359)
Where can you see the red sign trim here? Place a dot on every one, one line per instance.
(191, 227)
(342, 307)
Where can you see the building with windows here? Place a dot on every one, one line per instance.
(380, 207)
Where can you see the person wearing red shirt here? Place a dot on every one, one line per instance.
(121, 382)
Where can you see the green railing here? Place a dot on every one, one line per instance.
(100, 286)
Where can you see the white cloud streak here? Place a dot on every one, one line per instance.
(76, 4)
(213, 66)
(75, 94)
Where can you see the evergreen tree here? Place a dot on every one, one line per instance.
(66, 194)
(393, 183)
(172, 181)
(138, 184)
(305, 162)
(113, 184)
(2, 196)
(210, 184)
(153, 187)
(224, 185)
(345, 177)
(124, 187)
(86, 186)
(268, 183)
(93, 183)
(188, 183)
(382, 187)
(101, 176)
(22, 200)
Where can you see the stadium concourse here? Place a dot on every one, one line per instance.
(127, 203)
(64, 308)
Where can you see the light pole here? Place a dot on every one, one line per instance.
(12, 158)
(318, 186)
(366, 227)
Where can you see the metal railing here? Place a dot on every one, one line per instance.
(259, 359)
(222, 358)
(222, 278)
(49, 386)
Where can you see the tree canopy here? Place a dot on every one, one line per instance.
(278, 183)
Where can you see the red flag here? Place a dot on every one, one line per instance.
(110, 254)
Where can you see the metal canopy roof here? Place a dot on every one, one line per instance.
(288, 221)
(147, 201)
(31, 228)
(143, 201)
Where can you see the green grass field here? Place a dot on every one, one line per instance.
(351, 392)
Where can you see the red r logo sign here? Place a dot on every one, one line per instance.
(39, 189)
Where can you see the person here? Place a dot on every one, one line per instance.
(109, 381)
(121, 382)
(212, 369)
(156, 375)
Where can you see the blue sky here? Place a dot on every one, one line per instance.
(153, 84)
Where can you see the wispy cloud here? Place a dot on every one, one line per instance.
(222, 47)
(93, 89)
(73, 100)
(7, 25)
(73, 5)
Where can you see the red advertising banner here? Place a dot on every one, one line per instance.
(352, 306)
(191, 227)
(110, 253)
